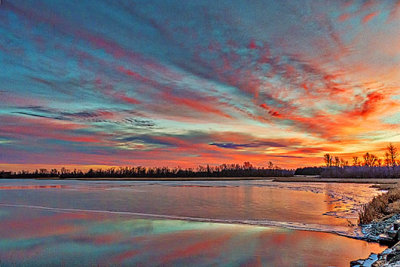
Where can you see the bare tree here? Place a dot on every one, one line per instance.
(370, 160)
(373, 160)
(343, 163)
(366, 157)
(392, 150)
(355, 161)
(337, 161)
(328, 160)
(270, 165)
(387, 159)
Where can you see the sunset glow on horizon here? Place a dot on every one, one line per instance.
(186, 83)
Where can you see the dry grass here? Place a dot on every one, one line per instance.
(380, 207)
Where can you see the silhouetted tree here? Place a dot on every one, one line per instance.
(270, 165)
(337, 161)
(328, 160)
(370, 159)
(373, 166)
(355, 161)
(223, 170)
(387, 159)
(392, 151)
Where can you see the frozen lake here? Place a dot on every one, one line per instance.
(176, 223)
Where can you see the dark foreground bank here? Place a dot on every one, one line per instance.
(380, 220)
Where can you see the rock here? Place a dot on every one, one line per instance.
(393, 258)
(356, 263)
(392, 233)
(385, 239)
(379, 263)
(383, 231)
(394, 247)
(396, 225)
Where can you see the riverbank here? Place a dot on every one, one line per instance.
(317, 179)
(380, 219)
(387, 232)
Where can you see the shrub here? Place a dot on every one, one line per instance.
(380, 206)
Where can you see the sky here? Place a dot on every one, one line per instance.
(187, 83)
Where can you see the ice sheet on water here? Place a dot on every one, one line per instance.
(242, 202)
(354, 232)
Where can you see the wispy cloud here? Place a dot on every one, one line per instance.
(240, 146)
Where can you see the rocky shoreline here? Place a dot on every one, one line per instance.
(385, 231)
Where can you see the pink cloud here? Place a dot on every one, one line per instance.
(368, 17)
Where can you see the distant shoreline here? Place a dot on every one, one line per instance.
(172, 179)
(314, 179)
(306, 179)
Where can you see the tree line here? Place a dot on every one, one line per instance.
(367, 166)
(368, 159)
(223, 170)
